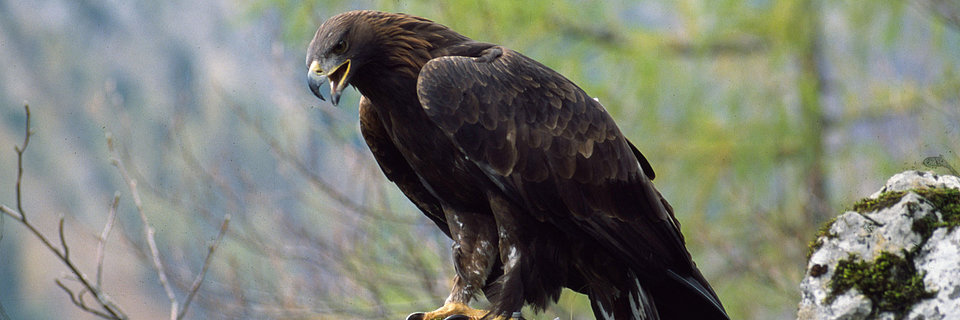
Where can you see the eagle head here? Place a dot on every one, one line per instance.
(387, 47)
(337, 50)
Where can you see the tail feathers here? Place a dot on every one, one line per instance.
(677, 298)
(693, 289)
(631, 302)
(687, 297)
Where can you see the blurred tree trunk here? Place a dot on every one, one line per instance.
(812, 84)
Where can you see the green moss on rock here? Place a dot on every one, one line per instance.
(818, 240)
(945, 200)
(891, 282)
(885, 200)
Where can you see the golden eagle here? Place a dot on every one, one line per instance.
(529, 176)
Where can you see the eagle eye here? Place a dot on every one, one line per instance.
(339, 48)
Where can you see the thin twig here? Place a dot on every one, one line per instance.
(148, 231)
(102, 240)
(33, 230)
(63, 240)
(161, 271)
(112, 311)
(78, 301)
(203, 269)
(20, 150)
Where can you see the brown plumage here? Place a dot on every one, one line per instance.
(529, 176)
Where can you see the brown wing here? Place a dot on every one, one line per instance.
(556, 151)
(524, 123)
(395, 167)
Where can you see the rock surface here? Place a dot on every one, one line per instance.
(895, 255)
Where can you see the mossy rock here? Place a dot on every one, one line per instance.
(891, 282)
(895, 249)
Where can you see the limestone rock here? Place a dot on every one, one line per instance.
(896, 255)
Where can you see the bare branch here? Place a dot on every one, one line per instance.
(78, 301)
(10, 212)
(63, 241)
(20, 150)
(33, 230)
(102, 240)
(158, 264)
(110, 309)
(203, 269)
(148, 230)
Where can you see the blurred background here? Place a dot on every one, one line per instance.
(763, 119)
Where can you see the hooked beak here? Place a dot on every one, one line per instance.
(338, 77)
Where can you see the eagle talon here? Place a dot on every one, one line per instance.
(515, 316)
(451, 311)
(415, 316)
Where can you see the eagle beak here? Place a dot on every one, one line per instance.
(316, 78)
(338, 77)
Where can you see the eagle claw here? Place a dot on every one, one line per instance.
(419, 316)
(415, 316)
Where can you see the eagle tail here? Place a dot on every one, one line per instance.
(678, 297)
(687, 297)
(630, 302)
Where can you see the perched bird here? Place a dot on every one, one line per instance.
(529, 176)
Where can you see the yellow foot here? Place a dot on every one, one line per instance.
(455, 311)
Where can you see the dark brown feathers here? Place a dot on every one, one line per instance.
(494, 109)
(529, 175)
